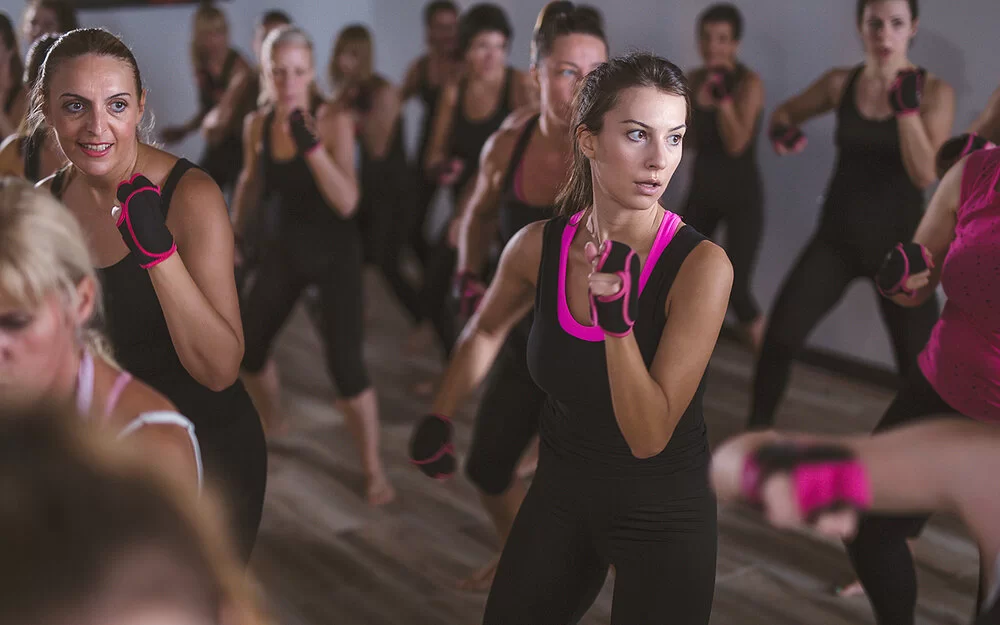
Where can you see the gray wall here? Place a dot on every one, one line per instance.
(789, 46)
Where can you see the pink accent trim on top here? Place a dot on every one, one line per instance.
(594, 333)
(115, 393)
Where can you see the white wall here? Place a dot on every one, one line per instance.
(790, 44)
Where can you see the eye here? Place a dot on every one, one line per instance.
(73, 107)
(675, 140)
(637, 135)
(569, 72)
(118, 106)
(14, 322)
(897, 23)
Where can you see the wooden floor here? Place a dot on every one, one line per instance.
(325, 558)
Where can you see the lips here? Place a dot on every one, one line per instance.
(95, 150)
(648, 187)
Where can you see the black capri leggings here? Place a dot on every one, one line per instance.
(659, 533)
(879, 551)
(284, 272)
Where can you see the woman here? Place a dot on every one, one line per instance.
(940, 464)
(725, 182)
(48, 298)
(891, 119)
(523, 168)
(47, 16)
(92, 534)
(425, 78)
(471, 109)
(165, 258)
(302, 149)
(620, 352)
(32, 156)
(222, 76)
(13, 94)
(385, 182)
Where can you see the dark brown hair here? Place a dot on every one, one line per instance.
(72, 45)
(438, 6)
(724, 13)
(207, 13)
(597, 95)
(914, 9)
(65, 13)
(482, 18)
(560, 18)
(353, 34)
(9, 40)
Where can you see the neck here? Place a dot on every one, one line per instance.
(105, 188)
(492, 75)
(607, 220)
(64, 384)
(727, 65)
(554, 129)
(886, 71)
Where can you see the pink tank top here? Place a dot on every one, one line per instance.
(962, 357)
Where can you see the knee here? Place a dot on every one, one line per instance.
(490, 476)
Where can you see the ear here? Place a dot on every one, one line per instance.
(86, 300)
(142, 103)
(533, 76)
(914, 28)
(587, 142)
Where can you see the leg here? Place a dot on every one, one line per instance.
(549, 571)
(437, 288)
(744, 224)
(423, 197)
(909, 329)
(815, 284)
(341, 325)
(664, 553)
(266, 307)
(879, 551)
(387, 237)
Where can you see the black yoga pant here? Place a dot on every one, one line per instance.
(879, 551)
(813, 287)
(436, 301)
(423, 195)
(384, 232)
(659, 533)
(507, 418)
(744, 224)
(284, 272)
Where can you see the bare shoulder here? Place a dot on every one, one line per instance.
(520, 116)
(834, 81)
(138, 398)
(938, 88)
(706, 269)
(524, 250)
(499, 148)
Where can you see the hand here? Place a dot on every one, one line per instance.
(719, 85)
(173, 134)
(787, 139)
(906, 269)
(613, 287)
(141, 222)
(450, 171)
(431, 449)
(468, 291)
(303, 129)
(906, 90)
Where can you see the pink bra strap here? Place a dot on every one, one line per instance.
(116, 392)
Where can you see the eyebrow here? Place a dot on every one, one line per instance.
(648, 127)
(68, 94)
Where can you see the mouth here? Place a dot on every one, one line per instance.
(884, 52)
(95, 150)
(649, 186)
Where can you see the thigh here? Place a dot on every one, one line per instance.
(664, 551)
(813, 287)
(267, 304)
(549, 571)
(341, 318)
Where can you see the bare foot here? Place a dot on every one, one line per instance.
(529, 461)
(854, 589)
(379, 491)
(482, 579)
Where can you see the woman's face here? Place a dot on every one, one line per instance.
(886, 30)
(442, 32)
(38, 343)
(348, 61)
(717, 44)
(37, 22)
(487, 53)
(639, 148)
(211, 38)
(572, 57)
(290, 71)
(94, 108)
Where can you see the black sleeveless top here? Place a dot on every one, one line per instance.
(468, 136)
(515, 213)
(566, 361)
(871, 202)
(715, 171)
(31, 153)
(429, 94)
(210, 89)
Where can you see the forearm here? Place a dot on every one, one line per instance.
(471, 360)
(338, 188)
(209, 348)
(918, 150)
(641, 407)
(245, 196)
(735, 136)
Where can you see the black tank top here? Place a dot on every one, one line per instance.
(210, 89)
(468, 137)
(515, 213)
(715, 171)
(567, 362)
(304, 213)
(871, 202)
(31, 153)
(429, 95)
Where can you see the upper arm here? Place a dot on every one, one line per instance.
(11, 163)
(821, 96)
(988, 122)
(938, 111)
(411, 81)
(253, 127)
(751, 99)
(336, 129)
(512, 292)
(200, 224)
(696, 308)
(171, 448)
(442, 117)
(493, 161)
(382, 120)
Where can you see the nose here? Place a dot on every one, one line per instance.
(97, 121)
(656, 159)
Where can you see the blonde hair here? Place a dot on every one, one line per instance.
(207, 15)
(43, 251)
(284, 36)
(353, 35)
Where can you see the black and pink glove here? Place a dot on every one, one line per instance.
(903, 261)
(305, 139)
(825, 478)
(616, 314)
(720, 84)
(141, 222)
(788, 137)
(431, 449)
(468, 291)
(905, 91)
(956, 148)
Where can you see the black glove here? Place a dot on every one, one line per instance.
(905, 92)
(431, 448)
(305, 140)
(141, 222)
(616, 314)
(900, 263)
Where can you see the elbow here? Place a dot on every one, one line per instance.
(219, 379)
(924, 180)
(348, 206)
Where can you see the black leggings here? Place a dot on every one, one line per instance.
(659, 533)
(507, 418)
(423, 195)
(744, 223)
(879, 551)
(814, 286)
(284, 272)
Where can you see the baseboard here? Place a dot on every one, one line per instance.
(836, 362)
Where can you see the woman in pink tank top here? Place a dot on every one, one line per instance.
(48, 354)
